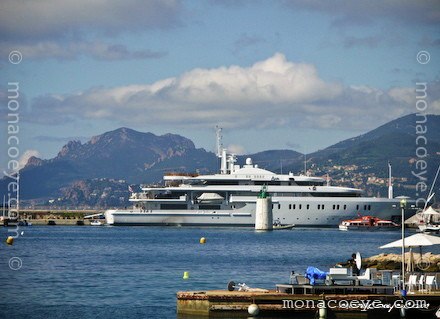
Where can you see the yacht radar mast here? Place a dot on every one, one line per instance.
(221, 151)
(218, 131)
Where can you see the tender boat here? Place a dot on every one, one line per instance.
(95, 223)
(429, 221)
(367, 222)
(277, 225)
(281, 227)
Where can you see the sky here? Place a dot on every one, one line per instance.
(295, 74)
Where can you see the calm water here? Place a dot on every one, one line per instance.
(135, 272)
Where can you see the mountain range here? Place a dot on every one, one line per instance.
(126, 156)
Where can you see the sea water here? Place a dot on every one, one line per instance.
(134, 272)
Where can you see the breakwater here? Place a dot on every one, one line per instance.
(57, 216)
(427, 262)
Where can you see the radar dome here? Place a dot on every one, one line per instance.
(248, 161)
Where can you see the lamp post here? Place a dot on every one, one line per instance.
(403, 206)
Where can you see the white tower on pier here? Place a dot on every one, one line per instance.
(390, 182)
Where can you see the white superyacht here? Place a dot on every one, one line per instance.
(229, 199)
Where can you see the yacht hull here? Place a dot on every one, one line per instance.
(329, 213)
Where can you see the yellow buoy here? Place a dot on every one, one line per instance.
(10, 240)
(203, 240)
(186, 275)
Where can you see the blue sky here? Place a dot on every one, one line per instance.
(293, 74)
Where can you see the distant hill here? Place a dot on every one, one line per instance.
(274, 160)
(97, 172)
(394, 142)
(405, 126)
(120, 154)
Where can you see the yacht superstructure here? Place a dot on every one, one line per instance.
(229, 199)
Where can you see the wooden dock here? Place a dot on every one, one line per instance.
(273, 304)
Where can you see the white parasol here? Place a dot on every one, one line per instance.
(430, 211)
(417, 240)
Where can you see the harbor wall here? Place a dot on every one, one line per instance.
(60, 217)
(235, 304)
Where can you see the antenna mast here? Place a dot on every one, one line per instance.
(221, 152)
(305, 164)
(18, 193)
(219, 141)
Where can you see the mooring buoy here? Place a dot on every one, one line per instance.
(253, 310)
(10, 240)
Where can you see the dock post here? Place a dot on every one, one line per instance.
(263, 213)
(322, 312)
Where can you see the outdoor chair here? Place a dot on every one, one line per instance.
(412, 283)
(369, 277)
(430, 282)
(421, 283)
(396, 282)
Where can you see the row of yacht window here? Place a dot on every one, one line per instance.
(321, 206)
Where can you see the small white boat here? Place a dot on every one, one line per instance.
(280, 227)
(428, 224)
(366, 222)
(429, 228)
(95, 223)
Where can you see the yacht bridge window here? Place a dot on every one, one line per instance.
(173, 206)
(276, 183)
(222, 182)
(318, 194)
(207, 207)
(309, 183)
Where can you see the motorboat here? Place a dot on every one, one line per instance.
(367, 222)
(95, 222)
(429, 221)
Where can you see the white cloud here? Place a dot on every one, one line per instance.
(404, 95)
(71, 28)
(26, 156)
(435, 107)
(363, 12)
(46, 19)
(236, 149)
(271, 93)
(71, 50)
